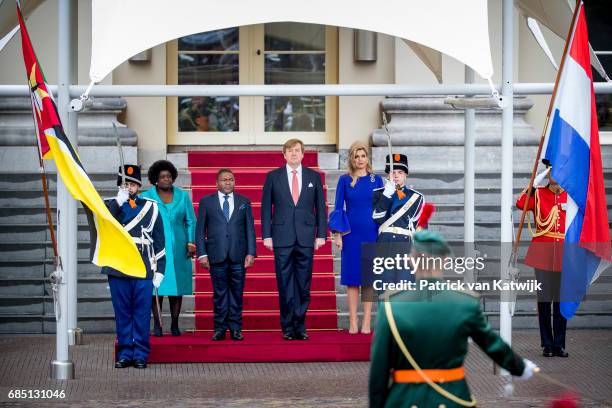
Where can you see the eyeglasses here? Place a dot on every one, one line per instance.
(226, 180)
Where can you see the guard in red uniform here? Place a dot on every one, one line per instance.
(545, 255)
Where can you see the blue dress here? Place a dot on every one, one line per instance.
(352, 217)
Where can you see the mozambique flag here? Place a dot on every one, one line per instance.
(111, 245)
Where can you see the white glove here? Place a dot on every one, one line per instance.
(389, 188)
(537, 182)
(157, 279)
(122, 196)
(528, 371)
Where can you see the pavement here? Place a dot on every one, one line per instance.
(24, 365)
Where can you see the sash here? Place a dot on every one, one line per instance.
(399, 213)
(139, 217)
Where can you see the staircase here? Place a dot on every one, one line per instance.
(261, 318)
(260, 292)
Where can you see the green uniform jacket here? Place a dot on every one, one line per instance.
(179, 229)
(435, 326)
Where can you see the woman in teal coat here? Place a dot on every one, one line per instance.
(177, 213)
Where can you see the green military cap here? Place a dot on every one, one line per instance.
(430, 243)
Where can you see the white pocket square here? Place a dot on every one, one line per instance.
(310, 185)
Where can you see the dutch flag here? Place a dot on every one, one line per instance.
(572, 147)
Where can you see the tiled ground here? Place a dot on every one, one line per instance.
(24, 364)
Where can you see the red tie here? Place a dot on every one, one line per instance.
(295, 187)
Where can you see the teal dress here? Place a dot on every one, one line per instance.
(179, 229)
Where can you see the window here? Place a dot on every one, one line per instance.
(209, 58)
(275, 53)
(294, 54)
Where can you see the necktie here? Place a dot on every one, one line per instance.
(226, 207)
(295, 187)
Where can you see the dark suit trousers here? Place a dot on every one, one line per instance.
(228, 285)
(552, 333)
(293, 276)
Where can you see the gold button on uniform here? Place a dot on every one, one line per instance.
(441, 406)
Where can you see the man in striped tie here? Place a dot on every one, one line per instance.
(294, 225)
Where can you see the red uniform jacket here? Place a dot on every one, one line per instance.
(546, 251)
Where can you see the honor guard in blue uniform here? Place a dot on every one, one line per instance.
(397, 208)
(131, 296)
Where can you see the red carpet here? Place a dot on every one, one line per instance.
(260, 347)
(263, 340)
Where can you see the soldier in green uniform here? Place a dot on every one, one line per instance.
(421, 364)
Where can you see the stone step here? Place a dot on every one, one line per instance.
(41, 268)
(104, 323)
(101, 181)
(427, 158)
(93, 305)
(447, 179)
(522, 320)
(483, 196)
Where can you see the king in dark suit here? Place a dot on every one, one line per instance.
(225, 244)
(294, 225)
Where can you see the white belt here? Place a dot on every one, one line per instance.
(398, 231)
(141, 241)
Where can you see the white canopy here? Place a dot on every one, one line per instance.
(121, 29)
(556, 15)
(8, 17)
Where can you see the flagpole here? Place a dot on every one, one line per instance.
(568, 40)
(62, 367)
(43, 177)
(43, 174)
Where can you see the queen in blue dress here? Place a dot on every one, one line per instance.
(352, 224)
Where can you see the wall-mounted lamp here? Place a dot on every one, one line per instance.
(365, 46)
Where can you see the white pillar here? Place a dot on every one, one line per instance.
(505, 319)
(62, 367)
(469, 177)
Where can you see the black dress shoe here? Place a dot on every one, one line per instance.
(288, 336)
(236, 335)
(560, 352)
(123, 363)
(140, 364)
(547, 352)
(157, 331)
(175, 331)
(219, 335)
(301, 336)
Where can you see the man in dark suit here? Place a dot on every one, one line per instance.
(294, 225)
(225, 244)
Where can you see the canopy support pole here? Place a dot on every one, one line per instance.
(505, 319)
(62, 368)
(297, 90)
(469, 178)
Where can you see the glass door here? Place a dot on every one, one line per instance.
(276, 53)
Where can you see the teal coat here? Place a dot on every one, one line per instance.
(179, 229)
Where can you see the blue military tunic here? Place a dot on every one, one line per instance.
(397, 220)
(131, 296)
(384, 208)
